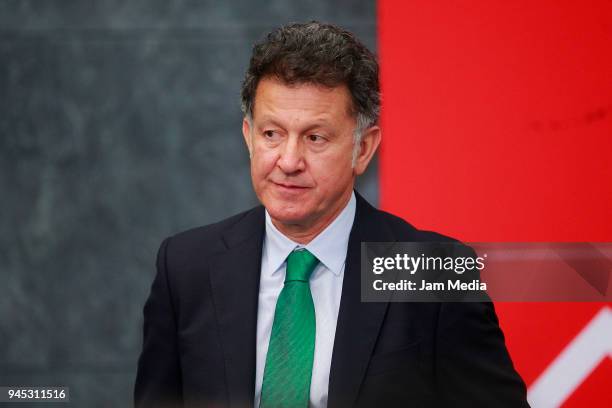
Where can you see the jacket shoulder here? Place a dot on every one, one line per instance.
(207, 239)
(405, 231)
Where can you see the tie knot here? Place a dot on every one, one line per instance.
(300, 264)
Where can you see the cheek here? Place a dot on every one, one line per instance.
(331, 172)
(262, 163)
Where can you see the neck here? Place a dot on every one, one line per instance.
(304, 233)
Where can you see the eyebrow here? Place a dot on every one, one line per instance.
(269, 120)
(318, 123)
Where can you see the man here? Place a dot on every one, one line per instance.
(263, 308)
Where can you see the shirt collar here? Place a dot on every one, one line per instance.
(329, 246)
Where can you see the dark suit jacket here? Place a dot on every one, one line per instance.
(200, 323)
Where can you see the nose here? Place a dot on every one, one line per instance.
(291, 159)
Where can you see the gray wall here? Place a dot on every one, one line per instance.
(119, 125)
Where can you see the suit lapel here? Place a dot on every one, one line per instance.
(234, 279)
(358, 323)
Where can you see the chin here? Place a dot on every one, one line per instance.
(287, 215)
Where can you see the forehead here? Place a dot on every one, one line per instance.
(273, 96)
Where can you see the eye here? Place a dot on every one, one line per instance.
(271, 135)
(315, 138)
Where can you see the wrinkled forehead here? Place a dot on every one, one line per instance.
(273, 92)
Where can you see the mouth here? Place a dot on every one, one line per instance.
(289, 187)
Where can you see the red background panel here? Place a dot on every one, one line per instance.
(497, 126)
(595, 392)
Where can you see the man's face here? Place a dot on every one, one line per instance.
(301, 143)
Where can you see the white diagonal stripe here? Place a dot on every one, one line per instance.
(575, 363)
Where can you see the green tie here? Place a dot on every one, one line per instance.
(286, 381)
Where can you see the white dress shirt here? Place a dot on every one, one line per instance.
(330, 248)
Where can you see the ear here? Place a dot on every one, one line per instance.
(367, 147)
(246, 133)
